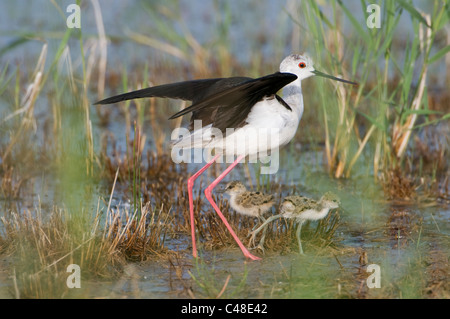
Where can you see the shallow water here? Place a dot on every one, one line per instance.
(398, 245)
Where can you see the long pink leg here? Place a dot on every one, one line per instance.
(208, 192)
(191, 181)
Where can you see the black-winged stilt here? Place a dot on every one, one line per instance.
(244, 105)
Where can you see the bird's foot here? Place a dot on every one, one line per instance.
(251, 242)
(252, 257)
(261, 247)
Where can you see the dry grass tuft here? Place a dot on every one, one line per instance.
(41, 247)
(138, 235)
(398, 186)
(11, 183)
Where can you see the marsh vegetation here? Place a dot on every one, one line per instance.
(96, 186)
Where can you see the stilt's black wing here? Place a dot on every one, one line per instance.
(188, 90)
(230, 107)
(223, 102)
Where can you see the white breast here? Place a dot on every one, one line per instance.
(269, 126)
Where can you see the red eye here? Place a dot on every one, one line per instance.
(302, 65)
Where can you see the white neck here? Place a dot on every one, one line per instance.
(324, 209)
(323, 212)
(292, 94)
(233, 198)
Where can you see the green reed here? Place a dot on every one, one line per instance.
(388, 107)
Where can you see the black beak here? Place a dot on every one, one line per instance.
(332, 77)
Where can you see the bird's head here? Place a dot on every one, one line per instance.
(234, 188)
(331, 200)
(300, 65)
(303, 66)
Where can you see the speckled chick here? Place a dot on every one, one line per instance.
(302, 209)
(248, 203)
